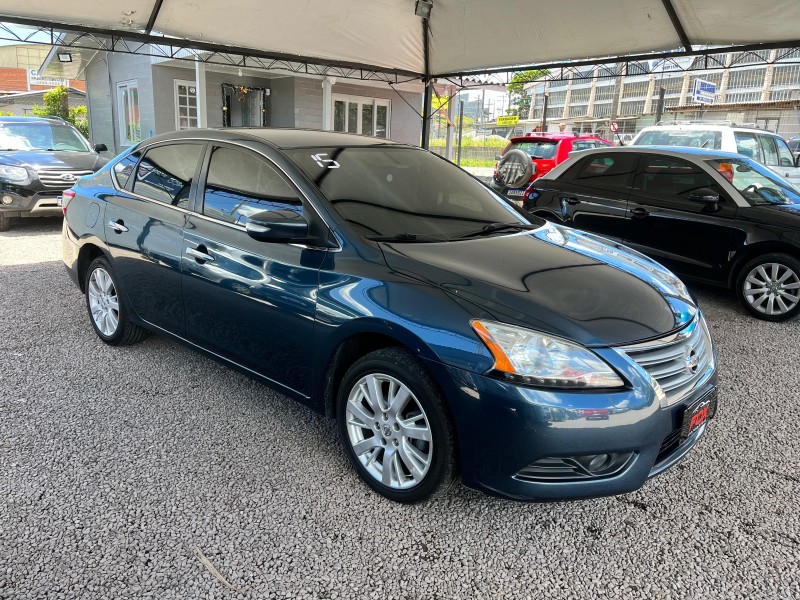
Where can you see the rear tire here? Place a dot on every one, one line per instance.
(403, 449)
(108, 312)
(5, 222)
(769, 287)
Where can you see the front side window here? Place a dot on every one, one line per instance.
(365, 116)
(130, 128)
(673, 177)
(389, 191)
(185, 105)
(768, 150)
(756, 183)
(240, 184)
(785, 157)
(608, 171)
(166, 172)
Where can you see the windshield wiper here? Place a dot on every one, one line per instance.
(493, 227)
(403, 237)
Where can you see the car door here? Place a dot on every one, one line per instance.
(253, 302)
(144, 229)
(593, 195)
(779, 158)
(689, 236)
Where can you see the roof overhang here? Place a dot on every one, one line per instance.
(465, 36)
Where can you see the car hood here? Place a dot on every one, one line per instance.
(556, 280)
(40, 160)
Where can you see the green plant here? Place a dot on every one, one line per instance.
(56, 105)
(517, 90)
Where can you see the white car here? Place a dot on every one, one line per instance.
(761, 145)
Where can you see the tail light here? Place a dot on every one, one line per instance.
(726, 170)
(66, 197)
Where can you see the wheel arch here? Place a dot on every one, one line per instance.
(750, 252)
(86, 255)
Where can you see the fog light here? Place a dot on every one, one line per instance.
(599, 462)
(7, 199)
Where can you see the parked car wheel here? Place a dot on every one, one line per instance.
(395, 427)
(5, 222)
(107, 310)
(769, 287)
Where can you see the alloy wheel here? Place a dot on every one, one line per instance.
(389, 431)
(103, 302)
(772, 288)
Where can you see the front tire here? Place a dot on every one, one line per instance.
(395, 427)
(769, 287)
(108, 312)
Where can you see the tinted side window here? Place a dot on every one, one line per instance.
(770, 151)
(608, 171)
(240, 184)
(124, 168)
(672, 177)
(583, 145)
(166, 172)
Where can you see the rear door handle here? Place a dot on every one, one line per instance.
(571, 200)
(639, 213)
(199, 254)
(118, 226)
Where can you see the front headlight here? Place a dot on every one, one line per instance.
(15, 174)
(537, 359)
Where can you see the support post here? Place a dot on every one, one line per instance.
(451, 113)
(660, 109)
(200, 87)
(327, 103)
(426, 102)
(460, 128)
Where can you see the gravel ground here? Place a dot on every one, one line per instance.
(117, 465)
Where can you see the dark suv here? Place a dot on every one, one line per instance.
(39, 159)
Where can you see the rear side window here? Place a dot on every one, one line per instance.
(124, 168)
(696, 138)
(240, 184)
(165, 173)
(607, 171)
(583, 145)
(667, 176)
(537, 149)
(747, 145)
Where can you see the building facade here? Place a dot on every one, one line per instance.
(760, 88)
(132, 97)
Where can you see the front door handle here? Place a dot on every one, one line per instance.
(199, 254)
(118, 226)
(571, 200)
(639, 213)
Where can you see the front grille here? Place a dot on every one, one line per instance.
(677, 362)
(54, 180)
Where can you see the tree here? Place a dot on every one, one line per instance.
(56, 105)
(517, 90)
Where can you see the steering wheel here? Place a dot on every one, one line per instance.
(752, 188)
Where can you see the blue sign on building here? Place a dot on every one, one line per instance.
(704, 92)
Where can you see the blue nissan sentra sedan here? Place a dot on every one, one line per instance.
(449, 333)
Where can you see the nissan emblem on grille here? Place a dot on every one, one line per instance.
(692, 361)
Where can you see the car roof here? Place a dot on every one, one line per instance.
(679, 151)
(285, 139)
(705, 127)
(552, 137)
(34, 120)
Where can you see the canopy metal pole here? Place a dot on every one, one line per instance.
(426, 102)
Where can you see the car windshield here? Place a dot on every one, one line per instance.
(537, 149)
(388, 191)
(42, 136)
(756, 183)
(694, 138)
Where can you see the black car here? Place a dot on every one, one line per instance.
(40, 158)
(708, 215)
(448, 332)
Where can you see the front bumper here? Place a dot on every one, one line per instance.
(504, 428)
(39, 204)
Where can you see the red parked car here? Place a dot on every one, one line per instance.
(546, 150)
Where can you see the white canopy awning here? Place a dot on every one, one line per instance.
(466, 36)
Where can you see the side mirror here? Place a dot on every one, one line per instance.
(277, 226)
(705, 195)
(100, 148)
